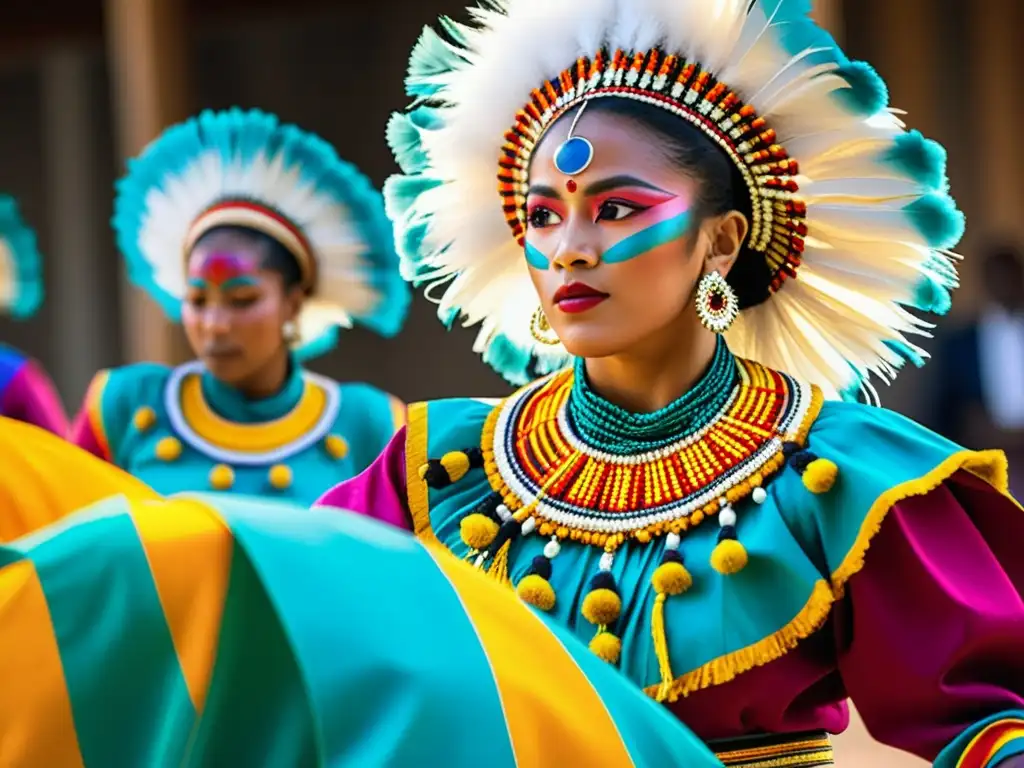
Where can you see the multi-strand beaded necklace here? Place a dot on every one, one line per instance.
(565, 464)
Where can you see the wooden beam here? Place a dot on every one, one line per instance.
(147, 49)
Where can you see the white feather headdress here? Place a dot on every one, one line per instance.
(247, 168)
(850, 210)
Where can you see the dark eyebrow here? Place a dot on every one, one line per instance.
(544, 191)
(616, 182)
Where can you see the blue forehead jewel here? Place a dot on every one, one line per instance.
(575, 153)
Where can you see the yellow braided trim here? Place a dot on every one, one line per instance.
(989, 466)
(416, 487)
(825, 757)
(774, 750)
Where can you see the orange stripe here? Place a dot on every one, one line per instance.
(554, 715)
(35, 711)
(94, 409)
(989, 741)
(398, 412)
(189, 552)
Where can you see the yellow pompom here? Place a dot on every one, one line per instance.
(671, 579)
(336, 446)
(168, 449)
(536, 591)
(280, 476)
(606, 647)
(820, 475)
(456, 464)
(144, 418)
(728, 557)
(222, 477)
(602, 606)
(478, 531)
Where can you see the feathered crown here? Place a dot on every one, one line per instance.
(21, 271)
(849, 210)
(246, 168)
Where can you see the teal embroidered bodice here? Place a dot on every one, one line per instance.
(802, 485)
(180, 429)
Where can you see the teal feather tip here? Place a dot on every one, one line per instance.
(867, 94)
(25, 269)
(932, 295)
(938, 220)
(921, 159)
(401, 193)
(906, 353)
(430, 58)
(403, 138)
(511, 361)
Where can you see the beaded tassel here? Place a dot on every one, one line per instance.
(729, 556)
(535, 588)
(670, 578)
(818, 475)
(480, 527)
(450, 468)
(602, 606)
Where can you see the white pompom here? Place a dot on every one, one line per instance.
(727, 517)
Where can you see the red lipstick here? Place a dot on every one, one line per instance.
(578, 297)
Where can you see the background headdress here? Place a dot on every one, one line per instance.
(21, 271)
(245, 168)
(851, 214)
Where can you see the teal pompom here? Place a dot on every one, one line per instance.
(937, 218)
(867, 94)
(921, 159)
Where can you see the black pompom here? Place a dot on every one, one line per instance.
(672, 556)
(789, 448)
(541, 566)
(476, 458)
(489, 506)
(508, 531)
(799, 461)
(726, 532)
(604, 580)
(436, 476)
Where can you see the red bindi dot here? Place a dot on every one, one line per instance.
(570, 185)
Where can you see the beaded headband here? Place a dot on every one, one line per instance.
(249, 214)
(684, 89)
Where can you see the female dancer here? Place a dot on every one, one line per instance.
(711, 215)
(263, 243)
(26, 392)
(213, 633)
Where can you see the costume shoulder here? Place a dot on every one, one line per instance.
(116, 396)
(860, 461)
(452, 424)
(369, 416)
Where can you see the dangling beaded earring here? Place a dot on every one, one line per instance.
(717, 303)
(541, 329)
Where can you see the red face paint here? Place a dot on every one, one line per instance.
(570, 185)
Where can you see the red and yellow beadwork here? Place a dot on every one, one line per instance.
(668, 81)
(577, 492)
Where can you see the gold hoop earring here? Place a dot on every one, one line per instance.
(717, 303)
(541, 329)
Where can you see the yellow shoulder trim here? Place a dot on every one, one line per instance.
(989, 466)
(416, 486)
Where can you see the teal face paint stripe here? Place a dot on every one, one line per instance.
(535, 258)
(652, 736)
(378, 674)
(128, 694)
(648, 239)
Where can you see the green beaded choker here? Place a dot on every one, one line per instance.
(613, 429)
